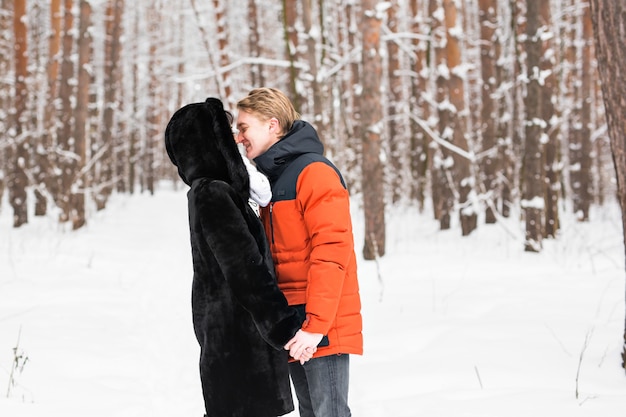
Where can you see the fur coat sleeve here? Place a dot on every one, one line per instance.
(236, 240)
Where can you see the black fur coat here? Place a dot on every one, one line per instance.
(240, 317)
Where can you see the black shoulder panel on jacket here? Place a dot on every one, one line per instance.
(285, 187)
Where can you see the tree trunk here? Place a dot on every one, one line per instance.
(319, 115)
(461, 170)
(609, 21)
(513, 153)
(256, 70)
(419, 142)
(395, 103)
(489, 164)
(77, 213)
(443, 200)
(6, 54)
(351, 85)
(45, 156)
(134, 134)
(571, 94)
(223, 48)
(533, 176)
(505, 71)
(67, 156)
(371, 115)
(18, 180)
(552, 142)
(93, 132)
(291, 49)
(586, 189)
(112, 51)
(152, 118)
(580, 141)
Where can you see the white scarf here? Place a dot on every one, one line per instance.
(260, 188)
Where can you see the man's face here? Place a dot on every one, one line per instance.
(256, 135)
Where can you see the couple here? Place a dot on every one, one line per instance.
(277, 296)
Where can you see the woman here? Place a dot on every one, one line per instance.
(241, 319)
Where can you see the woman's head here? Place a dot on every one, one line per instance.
(199, 141)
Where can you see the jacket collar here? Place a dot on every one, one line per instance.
(302, 138)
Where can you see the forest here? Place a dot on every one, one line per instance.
(474, 110)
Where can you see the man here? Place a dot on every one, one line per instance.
(309, 228)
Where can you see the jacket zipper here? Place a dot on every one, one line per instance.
(272, 221)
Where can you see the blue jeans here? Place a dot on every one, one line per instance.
(321, 386)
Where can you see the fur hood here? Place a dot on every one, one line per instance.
(200, 143)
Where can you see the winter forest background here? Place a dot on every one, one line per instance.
(473, 110)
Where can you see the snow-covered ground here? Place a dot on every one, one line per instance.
(453, 326)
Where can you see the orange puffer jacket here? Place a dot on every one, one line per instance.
(309, 228)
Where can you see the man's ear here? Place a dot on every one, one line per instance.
(275, 126)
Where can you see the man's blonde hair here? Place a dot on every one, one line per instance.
(266, 103)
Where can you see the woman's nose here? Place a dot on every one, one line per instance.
(236, 135)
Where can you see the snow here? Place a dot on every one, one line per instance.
(534, 203)
(453, 326)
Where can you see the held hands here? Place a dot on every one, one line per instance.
(303, 345)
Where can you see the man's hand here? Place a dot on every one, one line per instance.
(303, 345)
